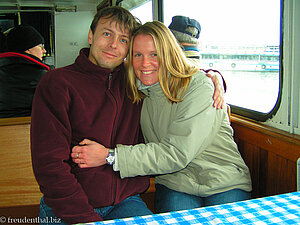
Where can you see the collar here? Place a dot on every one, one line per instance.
(84, 65)
(25, 56)
(149, 90)
(142, 86)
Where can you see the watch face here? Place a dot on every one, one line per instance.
(110, 159)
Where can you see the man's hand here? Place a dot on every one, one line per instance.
(219, 89)
(89, 154)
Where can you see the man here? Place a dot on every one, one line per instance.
(187, 32)
(21, 68)
(88, 99)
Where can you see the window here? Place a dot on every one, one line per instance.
(242, 40)
(7, 21)
(141, 9)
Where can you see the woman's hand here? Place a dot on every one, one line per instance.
(89, 154)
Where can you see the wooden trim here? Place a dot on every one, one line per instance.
(152, 185)
(254, 125)
(274, 140)
(15, 121)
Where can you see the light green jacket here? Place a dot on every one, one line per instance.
(188, 144)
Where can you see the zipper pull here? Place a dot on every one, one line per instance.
(109, 80)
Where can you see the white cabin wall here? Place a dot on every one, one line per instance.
(71, 34)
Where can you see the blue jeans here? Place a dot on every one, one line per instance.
(167, 200)
(130, 207)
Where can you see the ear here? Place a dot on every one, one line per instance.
(90, 37)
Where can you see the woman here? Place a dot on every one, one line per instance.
(189, 143)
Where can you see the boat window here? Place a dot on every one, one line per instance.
(141, 9)
(7, 21)
(241, 39)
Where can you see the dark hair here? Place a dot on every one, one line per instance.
(118, 14)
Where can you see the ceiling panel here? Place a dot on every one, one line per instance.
(17, 4)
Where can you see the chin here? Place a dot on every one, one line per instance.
(148, 83)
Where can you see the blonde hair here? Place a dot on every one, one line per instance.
(174, 71)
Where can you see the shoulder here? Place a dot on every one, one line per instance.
(54, 78)
(59, 73)
(199, 90)
(200, 80)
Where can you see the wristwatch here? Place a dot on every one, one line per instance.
(110, 159)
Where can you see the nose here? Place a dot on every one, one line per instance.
(145, 61)
(113, 42)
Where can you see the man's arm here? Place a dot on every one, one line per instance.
(220, 88)
(50, 146)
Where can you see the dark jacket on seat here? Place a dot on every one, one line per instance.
(19, 76)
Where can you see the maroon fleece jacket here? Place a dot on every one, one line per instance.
(72, 103)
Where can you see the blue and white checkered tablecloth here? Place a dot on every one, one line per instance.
(278, 209)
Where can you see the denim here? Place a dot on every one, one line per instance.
(130, 207)
(167, 200)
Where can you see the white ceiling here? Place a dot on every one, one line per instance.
(7, 5)
(46, 2)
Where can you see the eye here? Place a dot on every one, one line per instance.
(123, 40)
(106, 34)
(154, 55)
(137, 55)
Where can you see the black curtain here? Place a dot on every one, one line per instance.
(41, 21)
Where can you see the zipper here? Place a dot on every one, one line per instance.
(109, 80)
(114, 184)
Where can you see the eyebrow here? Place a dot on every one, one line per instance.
(110, 30)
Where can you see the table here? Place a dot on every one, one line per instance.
(278, 209)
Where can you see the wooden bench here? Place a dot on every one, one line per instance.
(270, 154)
(19, 191)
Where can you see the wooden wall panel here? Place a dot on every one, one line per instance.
(18, 186)
(270, 154)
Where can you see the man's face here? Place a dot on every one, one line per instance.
(37, 51)
(109, 44)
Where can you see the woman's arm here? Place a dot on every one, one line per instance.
(186, 138)
(176, 141)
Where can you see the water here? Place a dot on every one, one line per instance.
(257, 90)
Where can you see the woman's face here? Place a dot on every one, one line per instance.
(144, 61)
